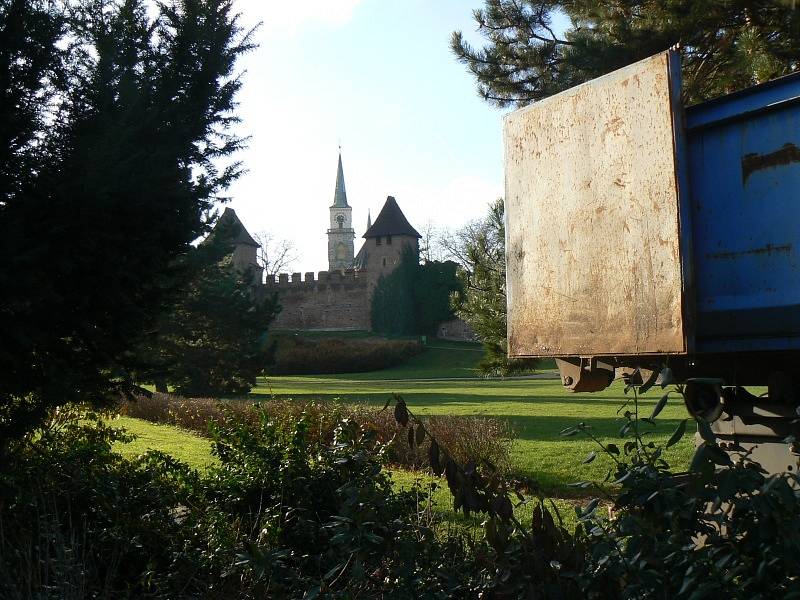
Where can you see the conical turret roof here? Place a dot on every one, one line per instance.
(391, 221)
(340, 195)
(240, 235)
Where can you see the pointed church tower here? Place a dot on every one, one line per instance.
(341, 233)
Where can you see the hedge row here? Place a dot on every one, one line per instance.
(299, 355)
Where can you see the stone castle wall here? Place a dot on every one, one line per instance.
(333, 300)
(456, 330)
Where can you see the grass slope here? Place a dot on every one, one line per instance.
(178, 443)
(537, 409)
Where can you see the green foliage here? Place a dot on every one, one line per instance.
(726, 45)
(81, 521)
(393, 308)
(725, 529)
(113, 120)
(283, 515)
(414, 298)
(287, 512)
(211, 339)
(301, 355)
(482, 303)
(434, 284)
(476, 439)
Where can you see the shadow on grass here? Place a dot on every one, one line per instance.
(548, 428)
(435, 399)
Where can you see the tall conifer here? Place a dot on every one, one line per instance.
(726, 45)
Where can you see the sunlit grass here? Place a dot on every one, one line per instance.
(537, 409)
(178, 443)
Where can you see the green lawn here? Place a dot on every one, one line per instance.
(443, 381)
(439, 359)
(178, 443)
(196, 452)
(537, 409)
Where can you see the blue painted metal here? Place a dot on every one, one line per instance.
(744, 192)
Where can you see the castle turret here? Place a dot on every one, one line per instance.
(385, 240)
(245, 248)
(341, 233)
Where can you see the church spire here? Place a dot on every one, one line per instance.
(340, 195)
(369, 219)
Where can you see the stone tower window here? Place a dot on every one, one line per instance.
(378, 241)
(340, 220)
(388, 240)
(384, 261)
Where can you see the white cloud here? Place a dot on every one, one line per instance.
(288, 17)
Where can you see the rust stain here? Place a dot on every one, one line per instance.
(767, 250)
(614, 125)
(788, 153)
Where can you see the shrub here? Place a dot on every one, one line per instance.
(298, 355)
(282, 516)
(470, 438)
(296, 509)
(724, 530)
(80, 521)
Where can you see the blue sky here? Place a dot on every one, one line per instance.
(378, 76)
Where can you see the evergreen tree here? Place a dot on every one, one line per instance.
(211, 338)
(482, 303)
(436, 281)
(393, 309)
(726, 45)
(414, 299)
(117, 119)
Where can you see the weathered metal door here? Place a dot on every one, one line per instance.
(595, 260)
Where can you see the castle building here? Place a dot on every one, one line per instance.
(245, 248)
(341, 297)
(384, 241)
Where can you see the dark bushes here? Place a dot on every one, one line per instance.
(299, 355)
(725, 529)
(291, 512)
(282, 516)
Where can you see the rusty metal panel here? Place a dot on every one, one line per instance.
(592, 219)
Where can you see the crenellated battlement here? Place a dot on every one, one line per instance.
(284, 280)
(324, 300)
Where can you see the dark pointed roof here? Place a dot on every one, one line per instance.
(391, 221)
(240, 236)
(340, 195)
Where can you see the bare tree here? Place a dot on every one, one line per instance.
(454, 243)
(275, 255)
(430, 246)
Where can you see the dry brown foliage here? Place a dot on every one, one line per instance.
(477, 439)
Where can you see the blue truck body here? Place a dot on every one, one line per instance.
(743, 173)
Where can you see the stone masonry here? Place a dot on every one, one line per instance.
(341, 298)
(333, 301)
